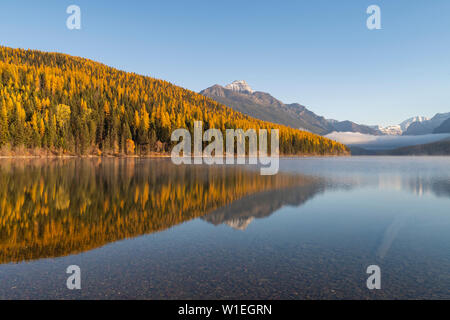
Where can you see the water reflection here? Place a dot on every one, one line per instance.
(325, 221)
(419, 175)
(242, 212)
(52, 208)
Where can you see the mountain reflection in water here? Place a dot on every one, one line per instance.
(53, 208)
(242, 212)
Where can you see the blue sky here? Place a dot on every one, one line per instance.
(318, 53)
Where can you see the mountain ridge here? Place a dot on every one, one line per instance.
(264, 106)
(427, 126)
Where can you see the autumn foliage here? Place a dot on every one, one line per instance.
(61, 103)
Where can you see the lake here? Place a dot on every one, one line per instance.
(147, 229)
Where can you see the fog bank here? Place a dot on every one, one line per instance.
(370, 142)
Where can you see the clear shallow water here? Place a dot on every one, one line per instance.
(149, 230)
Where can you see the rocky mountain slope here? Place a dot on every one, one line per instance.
(444, 127)
(261, 105)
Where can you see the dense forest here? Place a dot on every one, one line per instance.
(56, 103)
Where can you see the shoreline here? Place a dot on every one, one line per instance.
(161, 156)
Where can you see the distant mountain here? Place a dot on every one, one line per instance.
(395, 130)
(405, 124)
(399, 129)
(419, 128)
(241, 97)
(426, 126)
(444, 127)
(348, 126)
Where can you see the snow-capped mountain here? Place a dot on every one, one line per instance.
(239, 86)
(405, 124)
(398, 130)
(427, 126)
(395, 130)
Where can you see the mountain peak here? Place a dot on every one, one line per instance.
(239, 86)
(405, 124)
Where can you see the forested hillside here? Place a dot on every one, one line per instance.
(62, 104)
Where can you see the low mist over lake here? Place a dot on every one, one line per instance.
(371, 142)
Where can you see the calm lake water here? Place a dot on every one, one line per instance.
(147, 229)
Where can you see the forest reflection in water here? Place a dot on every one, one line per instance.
(52, 208)
(323, 221)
